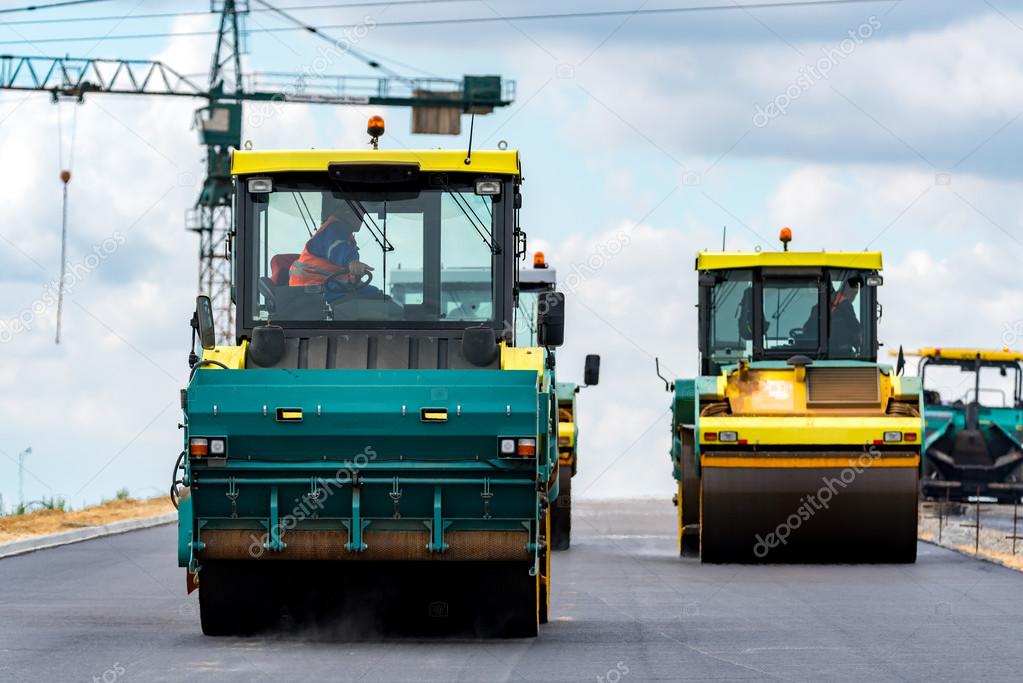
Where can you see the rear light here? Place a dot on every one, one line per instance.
(892, 437)
(527, 448)
(728, 437)
(201, 447)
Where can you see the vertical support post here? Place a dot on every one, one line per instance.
(437, 544)
(275, 540)
(355, 543)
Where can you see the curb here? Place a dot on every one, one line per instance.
(86, 534)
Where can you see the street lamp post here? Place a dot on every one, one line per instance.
(21, 476)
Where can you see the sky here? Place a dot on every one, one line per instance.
(645, 138)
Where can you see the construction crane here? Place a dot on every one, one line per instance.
(436, 103)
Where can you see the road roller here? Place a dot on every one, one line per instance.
(532, 284)
(374, 435)
(973, 406)
(794, 444)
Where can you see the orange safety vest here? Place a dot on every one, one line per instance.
(309, 269)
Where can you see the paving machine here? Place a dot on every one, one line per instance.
(974, 441)
(532, 285)
(794, 443)
(378, 430)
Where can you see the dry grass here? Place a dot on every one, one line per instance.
(44, 522)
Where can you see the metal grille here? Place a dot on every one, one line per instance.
(241, 544)
(843, 386)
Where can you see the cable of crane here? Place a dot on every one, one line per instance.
(49, 5)
(65, 178)
(369, 61)
(788, 4)
(199, 13)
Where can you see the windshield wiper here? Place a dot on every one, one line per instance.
(475, 220)
(375, 231)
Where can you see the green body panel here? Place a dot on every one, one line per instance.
(362, 456)
(995, 422)
(685, 407)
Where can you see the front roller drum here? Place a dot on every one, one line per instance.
(808, 514)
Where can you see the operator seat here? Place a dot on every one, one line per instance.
(295, 303)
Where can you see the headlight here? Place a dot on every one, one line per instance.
(506, 447)
(892, 437)
(728, 437)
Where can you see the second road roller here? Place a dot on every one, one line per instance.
(794, 444)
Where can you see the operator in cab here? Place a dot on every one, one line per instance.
(330, 257)
(845, 336)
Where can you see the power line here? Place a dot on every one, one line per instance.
(49, 5)
(199, 13)
(369, 61)
(477, 20)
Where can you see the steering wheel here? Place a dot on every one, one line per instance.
(338, 284)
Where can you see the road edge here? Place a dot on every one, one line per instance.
(982, 556)
(35, 543)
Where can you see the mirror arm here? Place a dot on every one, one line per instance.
(668, 386)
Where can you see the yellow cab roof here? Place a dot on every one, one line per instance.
(720, 260)
(244, 162)
(1004, 355)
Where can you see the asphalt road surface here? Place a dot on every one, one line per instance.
(625, 608)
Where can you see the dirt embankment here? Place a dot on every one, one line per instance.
(44, 522)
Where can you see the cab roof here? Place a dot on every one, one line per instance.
(1004, 355)
(718, 260)
(245, 162)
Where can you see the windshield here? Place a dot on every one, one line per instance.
(358, 257)
(767, 314)
(958, 384)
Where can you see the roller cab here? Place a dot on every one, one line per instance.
(533, 284)
(794, 443)
(378, 430)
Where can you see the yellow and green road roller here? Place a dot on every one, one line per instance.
(794, 444)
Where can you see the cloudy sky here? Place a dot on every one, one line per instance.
(891, 125)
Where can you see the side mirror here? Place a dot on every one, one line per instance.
(204, 322)
(591, 370)
(550, 319)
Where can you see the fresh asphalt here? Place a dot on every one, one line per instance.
(625, 608)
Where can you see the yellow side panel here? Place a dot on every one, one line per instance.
(867, 260)
(864, 462)
(566, 430)
(812, 430)
(1005, 355)
(278, 160)
(522, 358)
(231, 356)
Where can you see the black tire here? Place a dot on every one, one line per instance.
(561, 512)
(234, 600)
(512, 612)
(689, 498)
